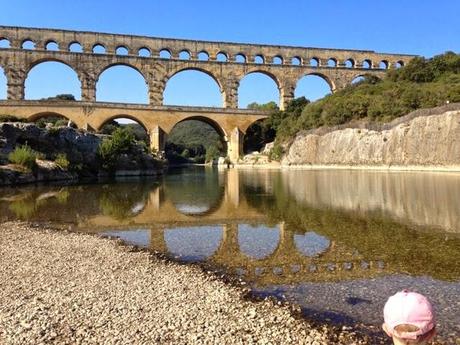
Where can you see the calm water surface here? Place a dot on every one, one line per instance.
(338, 243)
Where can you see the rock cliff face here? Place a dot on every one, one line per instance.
(424, 141)
(80, 148)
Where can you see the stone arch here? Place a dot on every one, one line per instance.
(130, 67)
(384, 64)
(256, 70)
(37, 116)
(28, 44)
(98, 48)
(296, 61)
(213, 123)
(315, 62)
(350, 63)
(122, 50)
(184, 54)
(259, 59)
(40, 115)
(240, 58)
(327, 79)
(4, 42)
(366, 64)
(360, 77)
(38, 62)
(165, 53)
(277, 60)
(75, 47)
(209, 73)
(202, 55)
(103, 121)
(222, 56)
(144, 52)
(52, 45)
(332, 62)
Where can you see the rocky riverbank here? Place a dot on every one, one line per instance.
(425, 140)
(68, 288)
(80, 149)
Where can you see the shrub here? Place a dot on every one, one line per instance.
(212, 153)
(121, 141)
(11, 118)
(62, 161)
(24, 156)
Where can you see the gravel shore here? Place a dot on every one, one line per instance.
(68, 288)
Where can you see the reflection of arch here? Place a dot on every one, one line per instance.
(193, 194)
(70, 72)
(187, 243)
(311, 244)
(258, 242)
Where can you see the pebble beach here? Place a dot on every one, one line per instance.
(59, 287)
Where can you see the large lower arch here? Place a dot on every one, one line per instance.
(314, 86)
(138, 128)
(104, 121)
(193, 87)
(122, 83)
(196, 139)
(258, 87)
(49, 78)
(48, 114)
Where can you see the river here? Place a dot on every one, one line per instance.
(335, 242)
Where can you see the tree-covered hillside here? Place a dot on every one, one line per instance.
(423, 83)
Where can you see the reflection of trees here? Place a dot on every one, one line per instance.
(405, 247)
(24, 209)
(27, 205)
(196, 186)
(123, 201)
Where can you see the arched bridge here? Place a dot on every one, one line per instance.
(89, 54)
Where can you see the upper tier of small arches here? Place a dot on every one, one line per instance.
(202, 51)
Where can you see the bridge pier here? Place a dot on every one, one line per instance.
(157, 139)
(235, 145)
(15, 83)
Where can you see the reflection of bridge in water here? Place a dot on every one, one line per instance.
(288, 255)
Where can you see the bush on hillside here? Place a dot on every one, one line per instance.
(422, 83)
(24, 156)
(121, 141)
(62, 161)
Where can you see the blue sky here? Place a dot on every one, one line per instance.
(421, 27)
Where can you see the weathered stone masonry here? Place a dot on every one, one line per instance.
(284, 64)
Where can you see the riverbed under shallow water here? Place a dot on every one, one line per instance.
(337, 243)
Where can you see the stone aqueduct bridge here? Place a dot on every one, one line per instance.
(284, 64)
